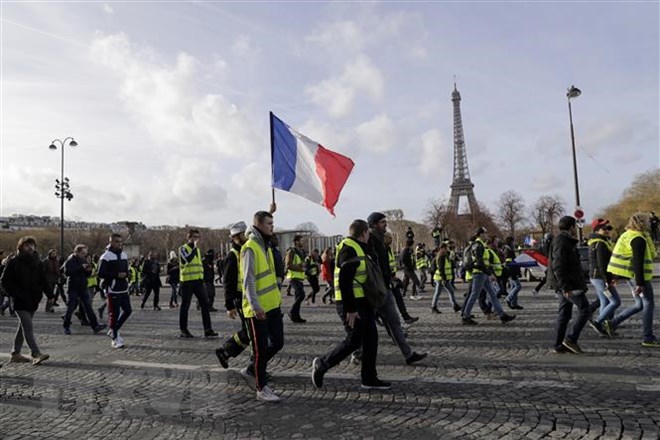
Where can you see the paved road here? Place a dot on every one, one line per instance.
(488, 381)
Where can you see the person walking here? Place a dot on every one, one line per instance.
(231, 283)
(444, 277)
(209, 278)
(296, 274)
(422, 264)
(395, 283)
(632, 259)
(113, 270)
(52, 268)
(327, 271)
(173, 280)
(355, 312)
(512, 272)
(312, 268)
(600, 251)
(77, 269)
(151, 279)
(407, 261)
(436, 233)
(566, 278)
(24, 280)
(192, 283)
(261, 304)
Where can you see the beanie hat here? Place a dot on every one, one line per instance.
(375, 217)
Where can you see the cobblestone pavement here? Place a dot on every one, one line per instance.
(487, 381)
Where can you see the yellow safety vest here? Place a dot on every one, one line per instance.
(449, 273)
(495, 262)
(484, 257)
(392, 260)
(132, 274)
(313, 266)
(593, 241)
(420, 258)
(294, 274)
(268, 292)
(92, 280)
(621, 259)
(239, 281)
(194, 270)
(360, 274)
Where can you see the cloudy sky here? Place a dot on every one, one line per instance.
(169, 103)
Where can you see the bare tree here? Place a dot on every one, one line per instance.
(436, 213)
(546, 210)
(510, 210)
(309, 227)
(393, 214)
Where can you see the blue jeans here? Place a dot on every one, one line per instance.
(607, 304)
(439, 285)
(515, 289)
(644, 302)
(481, 281)
(173, 299)
(72, 305)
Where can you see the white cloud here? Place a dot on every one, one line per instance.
(338, 94)
(378, 135)
(108, 9)
(343, 33)
(243, 47)
(435, 154)
(165, 100)
(548, 182)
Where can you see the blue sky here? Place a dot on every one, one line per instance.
(169, 103)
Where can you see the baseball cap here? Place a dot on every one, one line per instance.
(237, 228)
(600, 223)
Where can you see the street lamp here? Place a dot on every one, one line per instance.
(62, 185)
(574, 92)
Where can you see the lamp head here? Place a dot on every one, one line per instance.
(573, 92)
(52, 147)
(73, 143)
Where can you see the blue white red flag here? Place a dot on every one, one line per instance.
(305, 167)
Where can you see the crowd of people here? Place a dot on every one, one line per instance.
(361, 281)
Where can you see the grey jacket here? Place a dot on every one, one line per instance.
(247, 265)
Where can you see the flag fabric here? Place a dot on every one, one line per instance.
(541, 259)
(305, 167)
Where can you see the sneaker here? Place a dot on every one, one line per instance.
(457, 308)
(469, 321)
(221, 354)
(415, 297)
(156, 308)
(435, 310)
(517, 307)
(267, 395)
(38, 359)
(17, 358)
(572, 346)
(317, 373)
(67, 331)
(210, 334)
(598, 327)
(376, 385)
(249, 378)
(296, 319)
(652, 344)
(120, 339)
(560, 350)
(99, 328)
(415, 357)
(609, 328)
(507, 318)
(411, 320)
(117, 343)
(355, 359)
(186, 335)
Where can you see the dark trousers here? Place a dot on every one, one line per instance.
(400, 304)
(119, 309)
(147, 291)
(484, 304)
(564, 316)
(410, 275)
(188, 289)
(240, 340)
(210, 292)
(363, 335)
(541, 283)
(314, 283)
(329, 293)
(82, 297)
(298, 299)
(267, 338)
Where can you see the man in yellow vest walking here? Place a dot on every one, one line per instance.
(632, 258)
(192, 283)
(295, 272)
(262, 300)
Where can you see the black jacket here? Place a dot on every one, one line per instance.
(77, 274)
(25, 281)
(378, 251)
(173, 272)
(230, 279)
(407, 259)
(599, 257)
(565, 270)
(209, 268)
(151, 273)
(347, 275)
(110, 265)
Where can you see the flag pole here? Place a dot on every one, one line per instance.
(272, 152)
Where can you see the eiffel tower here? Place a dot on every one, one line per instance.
(462, 186)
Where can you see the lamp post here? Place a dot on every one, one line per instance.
(62, 185)
(574, 92)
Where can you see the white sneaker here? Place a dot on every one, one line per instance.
(120, 339)
(266, 394)
(117, 343)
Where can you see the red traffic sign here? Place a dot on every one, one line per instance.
(579, 213)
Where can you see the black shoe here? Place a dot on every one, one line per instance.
(435, 310)
(213, 309)
(186, 335)
(561, 350)
(376, 385)
(411, 320)
(507, 318)
(317, 373)
(84, 322)
(457, 308)
(469, 321)
(415, 357)
(156, 308)
(221, 353)
(210, 334)
(296, 319)
(598, 327)
(511, 306)
(572, 346)
(99, 328)
(142, 306)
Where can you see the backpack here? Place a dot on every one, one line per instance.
(374, 287)
(468, 260)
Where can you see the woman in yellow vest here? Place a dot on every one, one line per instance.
(444, 275)
(632, 258)
(600, 252)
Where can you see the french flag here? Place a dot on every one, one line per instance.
(305, 167)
